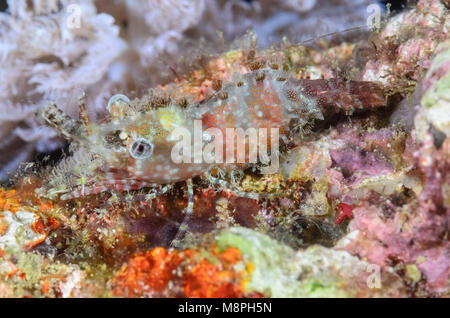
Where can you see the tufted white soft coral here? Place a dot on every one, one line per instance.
(156, 27)
(43, 57)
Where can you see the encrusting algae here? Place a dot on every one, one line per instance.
(187, 273)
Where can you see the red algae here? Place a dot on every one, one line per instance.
(187, 273)
(9, 200)
(346, 212)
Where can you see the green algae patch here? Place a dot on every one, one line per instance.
(412, 273)
(316, 289)
(280, 271)
(274, 267)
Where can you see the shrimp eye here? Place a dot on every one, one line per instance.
(141, 148)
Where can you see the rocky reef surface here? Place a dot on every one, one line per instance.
(360, 206)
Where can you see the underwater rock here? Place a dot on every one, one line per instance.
(437, 89)
(32, 275)
(247, 263)
(403, 54)
(279, 271)
(21, 230)
(410, 228)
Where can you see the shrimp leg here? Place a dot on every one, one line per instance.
(188, 213)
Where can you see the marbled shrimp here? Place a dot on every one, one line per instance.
(132, 149)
